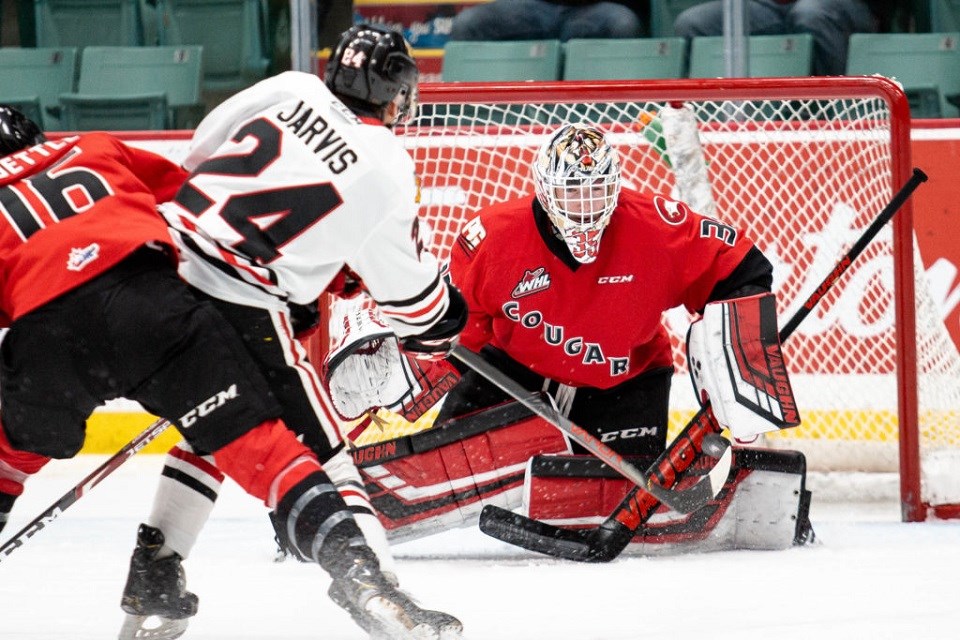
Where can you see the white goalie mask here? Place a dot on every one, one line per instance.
(577, 175)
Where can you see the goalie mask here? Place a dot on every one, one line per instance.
(577, 176)
(17, 131)
(371, 68)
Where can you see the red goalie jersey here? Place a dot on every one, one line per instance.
(43, 192)
(595, 324)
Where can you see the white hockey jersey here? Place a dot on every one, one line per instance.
(286, 187)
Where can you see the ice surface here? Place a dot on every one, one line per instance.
(871, 578)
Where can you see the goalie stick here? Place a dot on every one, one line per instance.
(39, 523)
(610, 538)
(682, 500)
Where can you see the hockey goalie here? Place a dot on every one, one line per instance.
(500, 454)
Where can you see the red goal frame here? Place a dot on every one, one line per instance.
(675, 91)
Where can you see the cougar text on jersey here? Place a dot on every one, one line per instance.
(317, 134)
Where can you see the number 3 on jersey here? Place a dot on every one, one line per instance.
(266, 219)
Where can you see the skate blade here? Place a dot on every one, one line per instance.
(399, 625)
(152, 628)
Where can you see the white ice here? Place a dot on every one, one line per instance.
(871, 578)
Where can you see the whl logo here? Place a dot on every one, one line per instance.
(532, 282)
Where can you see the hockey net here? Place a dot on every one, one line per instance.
(802, 165)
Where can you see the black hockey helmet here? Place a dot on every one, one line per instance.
(371, 67)
(17, 131)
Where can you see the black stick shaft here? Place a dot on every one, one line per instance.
(882, 218)
(70, 497)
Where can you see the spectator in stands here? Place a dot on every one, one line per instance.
(550, 20)
(830, 22)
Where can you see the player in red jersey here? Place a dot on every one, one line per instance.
(89, 271)
(566, 290)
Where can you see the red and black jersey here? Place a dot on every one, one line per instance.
(73, 208)
(596, 324)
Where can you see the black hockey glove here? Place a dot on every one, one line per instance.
(305, 319)
(437, 342)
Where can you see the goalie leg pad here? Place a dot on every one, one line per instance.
(442, 478)
(737, 365)
(763, 505)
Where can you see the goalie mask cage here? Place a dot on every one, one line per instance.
(802, 166)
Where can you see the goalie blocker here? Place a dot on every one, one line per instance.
(736, 365)
(440, 479)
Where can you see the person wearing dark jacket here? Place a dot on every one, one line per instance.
(830, 22)
(550, 20)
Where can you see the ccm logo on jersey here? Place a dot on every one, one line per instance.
(532, 282)
(208, 406)
(672, 212)
(615, 279)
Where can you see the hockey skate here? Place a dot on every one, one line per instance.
(383, 610)
(155, 599)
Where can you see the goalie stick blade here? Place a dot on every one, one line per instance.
(693, 498)
(599, 545)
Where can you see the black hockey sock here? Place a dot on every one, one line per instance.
(315, 524)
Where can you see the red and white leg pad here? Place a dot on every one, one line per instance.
(763, 504)
(441, 479)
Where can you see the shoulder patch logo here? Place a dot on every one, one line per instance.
(672, 211)
(471, 236)
(80, 257)
(532, 282)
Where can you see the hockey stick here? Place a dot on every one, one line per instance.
(79, 490)
(608, 540)
(685, 501)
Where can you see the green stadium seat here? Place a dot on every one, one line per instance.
(81, 23)
(944, 16)
(769, 56)
(499, 61)
(627, 59)
(32, 80)
(664, 12)
(507, 60)
(231, 32)
(124, 88)
(114, 113)
(925, 64)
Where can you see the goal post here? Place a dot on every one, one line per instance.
(801, 165)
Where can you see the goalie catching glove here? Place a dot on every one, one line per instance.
(367, 369)
(737, 365)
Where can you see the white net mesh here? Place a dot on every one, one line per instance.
(803, 177)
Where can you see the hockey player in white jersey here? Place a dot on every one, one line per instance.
(293, 181)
